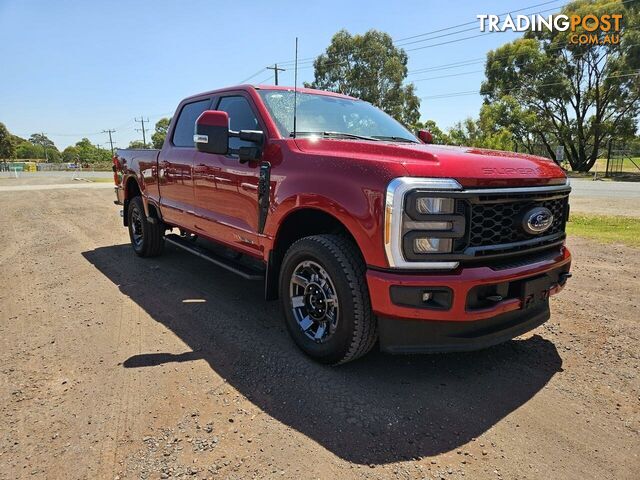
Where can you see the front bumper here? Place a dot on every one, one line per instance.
(465, 324)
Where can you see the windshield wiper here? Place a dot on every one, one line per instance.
(339, 135)
(395, 139)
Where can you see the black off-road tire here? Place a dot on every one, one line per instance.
(147, 239)
(356, 329)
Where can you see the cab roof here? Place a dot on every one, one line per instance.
(245, 86)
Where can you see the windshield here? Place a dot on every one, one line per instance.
(332, 116)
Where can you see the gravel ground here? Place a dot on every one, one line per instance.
(118, 367)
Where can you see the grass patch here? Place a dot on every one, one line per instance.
(628, 166)
(606, 228)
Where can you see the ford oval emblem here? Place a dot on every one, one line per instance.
(537, 220)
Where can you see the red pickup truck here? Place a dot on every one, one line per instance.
(364, 231)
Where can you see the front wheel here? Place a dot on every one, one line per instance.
(326, 300)
(147, 239)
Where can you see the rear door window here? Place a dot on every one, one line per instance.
(186, 123)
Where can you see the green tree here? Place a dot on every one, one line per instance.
(137, 144)
(159, 135)
(439, 137)
(578, 96)
(71, 154)
(511, 126)
(26, 150)
(49, 149)
(371, 68)
(42, 140)
(7, 146)
(39, 146)
(466, 133)
(475, 133)
(88, 152)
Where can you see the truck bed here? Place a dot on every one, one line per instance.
(140, 163)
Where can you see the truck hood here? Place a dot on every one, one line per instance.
(471, 167)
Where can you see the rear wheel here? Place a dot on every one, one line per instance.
(326, 300)
(147, 239)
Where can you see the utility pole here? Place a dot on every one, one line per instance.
(144, 133)
(44, 146)
(110, 139)
(276, 70)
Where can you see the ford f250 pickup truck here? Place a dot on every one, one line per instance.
(366, 232)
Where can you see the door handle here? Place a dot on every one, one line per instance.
(249, 186)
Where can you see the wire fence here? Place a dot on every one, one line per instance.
(34, 166)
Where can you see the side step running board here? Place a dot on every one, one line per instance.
(227, 264)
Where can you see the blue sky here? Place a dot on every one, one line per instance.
(74, 68)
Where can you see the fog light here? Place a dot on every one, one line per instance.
(431, 245)
(430, 205)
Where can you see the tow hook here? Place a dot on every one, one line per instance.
(563, 277)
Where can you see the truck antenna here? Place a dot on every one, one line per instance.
(295, 91)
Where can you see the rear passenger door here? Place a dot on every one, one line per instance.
(231, 213)
(175, 164)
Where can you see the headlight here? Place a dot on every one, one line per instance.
(424, 213)
(432, 205)
(431, 245)
(421, 222)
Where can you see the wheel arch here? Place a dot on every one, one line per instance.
(133, 189)
(297, 224)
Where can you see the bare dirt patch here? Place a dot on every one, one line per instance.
(118, 367)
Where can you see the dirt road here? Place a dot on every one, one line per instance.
(118, 367)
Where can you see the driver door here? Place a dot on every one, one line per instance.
(226, 191)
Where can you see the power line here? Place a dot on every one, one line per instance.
(447, 76)
(446, 66)
(469, 37)
(464, 63)
(311, 59)
(452, 41)
(264, 80)
(473, 21)
(475, 92)
(252, 76)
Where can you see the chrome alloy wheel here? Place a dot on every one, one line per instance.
(314, 301)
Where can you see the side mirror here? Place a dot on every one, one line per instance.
(212, 132)
(212, 136)
(254, 136)
(425, 136)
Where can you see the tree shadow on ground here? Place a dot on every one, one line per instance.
(376, 410)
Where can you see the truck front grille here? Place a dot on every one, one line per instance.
(494, 224)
